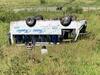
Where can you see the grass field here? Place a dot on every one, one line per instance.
(8, 4)
(26, 3)
(77, 58)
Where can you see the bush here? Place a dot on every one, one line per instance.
(75, 9)
(42, 1)
(7, 16)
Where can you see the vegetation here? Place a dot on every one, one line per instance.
(9, 4)
(42, 1)
(79, 58)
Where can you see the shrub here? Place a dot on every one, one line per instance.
(75, 9)
(42, 1)
(7, 16)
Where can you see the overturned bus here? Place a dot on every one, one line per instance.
(35, 29)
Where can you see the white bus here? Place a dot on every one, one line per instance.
(38, 30)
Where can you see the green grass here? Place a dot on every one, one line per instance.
(95, 3)
(4, 27)
(79, 58)
(12, 4)
(26, 3)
